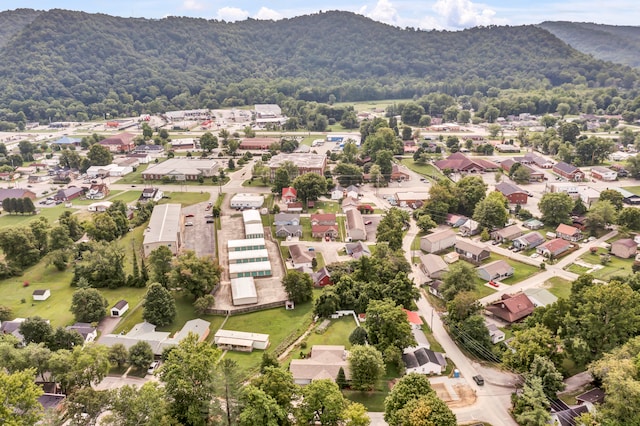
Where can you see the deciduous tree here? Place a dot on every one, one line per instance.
(366, 366)
(387, 325)
(88, 305)
(555, 208)
(460, 277)
(159, 306)
(299, 286)
(130, 406)
(160, 263)
(141, 355)
(426, 411)
(194, 275)
(410, 387)
(321, 401)
(19, 395)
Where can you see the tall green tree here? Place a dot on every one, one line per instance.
(492, 212)
(141, 355)
(425, 411)
(88, 305)
(81, 367)
(278, 384)
(555, 208)
(298, 285)
(366, 366)
(460, 278)
(390, 227)
(196, 276)
(99, 155)
(470, 190)
(160, 264)
(410, 387)
(189, 375)
(130, 406)
(260, 408)
(310, 186)
(36, 330)
(159, 306)
(19, 395)
(322, 401)
(387, 325)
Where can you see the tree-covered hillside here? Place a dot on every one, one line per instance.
(618, 44)
(76, 65)
(13, 21)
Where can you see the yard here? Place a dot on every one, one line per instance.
(51, 213)
(426, 170)
(559, 287)
(282, 326)
(185, 198)
(615, 266)
(633, 189)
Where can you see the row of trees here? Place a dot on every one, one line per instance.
(18, 205)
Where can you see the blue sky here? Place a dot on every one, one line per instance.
(425, 14)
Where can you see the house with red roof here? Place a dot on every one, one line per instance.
(511, 308)
(413, 318)
(323, 219)
(289, 194)
(568, 232)
(554, 247)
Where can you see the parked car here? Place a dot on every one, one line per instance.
(189, 215)
(210, 220)
(368, 222)
(152, 368)
(208, 216)
(188, 224)
(495, 242)
(479, 380)
(493, 283)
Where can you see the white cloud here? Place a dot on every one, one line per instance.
(463, 14)
(383, 11)
(268, 14)
(232, 14)
(193, 5)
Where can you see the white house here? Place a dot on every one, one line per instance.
(337, 193)
(251, 201)
(42, 294)
(86, 330)
(240, 340)
(120, 308)
(423, 361)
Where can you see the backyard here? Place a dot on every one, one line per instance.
(559, 287)
(426, 170)
(591, 262)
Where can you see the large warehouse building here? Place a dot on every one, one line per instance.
(243, 291)
(165, 229)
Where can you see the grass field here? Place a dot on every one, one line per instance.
(278, 323)
(559, 287)
(336, 334)
(632, 189)
(51, 213)
(616, 265)
(185, 198)
(426, 170)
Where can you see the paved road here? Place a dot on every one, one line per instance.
(494, 398)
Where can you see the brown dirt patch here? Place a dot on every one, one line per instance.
(466, 394)
(442, 392)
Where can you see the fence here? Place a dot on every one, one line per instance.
(246, 309)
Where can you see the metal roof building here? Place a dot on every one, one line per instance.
(164, 229)
(253, 269)
(243, 291)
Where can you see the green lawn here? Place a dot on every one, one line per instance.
(336, 334)
(325, 207)
(320, 260)
(433, 343)
(426, 170)
(415, 244)
(281, 326)
(374, 400)
(521, 271)
(632, 189)
(577, 269)
(371, 105)
(255, 183)
(86, 201)
(136, 177)
(51, 213)
(559, 287)
(305, 222)
(126, 196)
(616, 266)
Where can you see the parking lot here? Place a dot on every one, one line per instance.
(199, 235)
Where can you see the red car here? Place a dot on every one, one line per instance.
(493, 283)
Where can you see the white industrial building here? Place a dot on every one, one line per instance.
(247, 201)
(165, 229)
(251, 269)
(243, 291)
(253, 230)
(251, 216)
(248, 256)
(248, 244)
(181, 169)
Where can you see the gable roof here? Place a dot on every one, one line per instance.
(470, 247)
(300, 254)
(566, 229)
(439, 236)
(531, 238)
(509, 231)
(497, 267)
(458, 161)
(323, 362)
(507, 189)
(321, 274)
(422, 356)
(555, 245)
(323, 217)
(121, 304)
(512, 308)
(565, 167)
(626, 242)
(594, 396)
(433, 263)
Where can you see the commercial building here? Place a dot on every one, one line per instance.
(243, 291)
(246, 201)
(355, 226)
(305, 163)
(248, 256)
(252, 269)
(437, 242)
(119, 143)
(246, 245)
(181, 169)
(165, 229)
(513, 193)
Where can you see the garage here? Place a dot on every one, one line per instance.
(243, 291)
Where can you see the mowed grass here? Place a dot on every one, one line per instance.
(51, 213)
(426, 170)
(185, 198)
(336, 334)
(278, 323)
(616, 265)
(632, 189)
(56, 308)
(559, 287)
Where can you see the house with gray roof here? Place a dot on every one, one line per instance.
(424, 361)
(471, 252)
(508, 233)
(323, 362)
(530, 240)
(283, 231)
(286, 219)
(433, 265)
(496, 270)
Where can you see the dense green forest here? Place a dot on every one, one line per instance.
(620, 44)
(72, 65)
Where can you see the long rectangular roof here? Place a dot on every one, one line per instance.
(164, 224)
(245, 242)
(243, 287)
(248, 254)
(236, 268)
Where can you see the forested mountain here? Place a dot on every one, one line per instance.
(76, 65)
(618, 44)
(13, 21)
